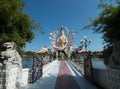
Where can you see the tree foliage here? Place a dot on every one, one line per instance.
(14, 24)
(108, 21)
(106, 54)
(28, 54)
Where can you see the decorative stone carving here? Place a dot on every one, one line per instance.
(88, 69)
(115, 57)
(9, 54)
(10, 66)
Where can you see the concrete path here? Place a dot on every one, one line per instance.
(65, 79)
(80, 79)
(61, 75)
(48, 79)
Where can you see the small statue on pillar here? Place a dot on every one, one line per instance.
(9, 54)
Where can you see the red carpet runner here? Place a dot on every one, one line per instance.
(65, 79)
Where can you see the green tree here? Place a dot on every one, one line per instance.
(107, 23)
(15, 25)
(28, 54)
(106, 54)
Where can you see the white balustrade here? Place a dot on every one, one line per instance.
(113, 78)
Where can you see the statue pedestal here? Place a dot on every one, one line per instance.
(10, 76)
(13, 76)
(10, 67)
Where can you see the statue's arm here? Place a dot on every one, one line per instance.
(66, 40)
(57, 39)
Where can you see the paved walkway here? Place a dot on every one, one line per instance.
(61, 75)
(65, 79)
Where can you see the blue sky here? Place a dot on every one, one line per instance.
(74, 14)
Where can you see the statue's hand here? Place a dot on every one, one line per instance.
(62, 48)
(58, 48)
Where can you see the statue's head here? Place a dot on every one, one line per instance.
(8, 46)
(62, 30)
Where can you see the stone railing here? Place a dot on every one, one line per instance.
(13, 77)
(82, 61)
(113, 78)
(25, 76)
(114, 67)
(100, 77)
(78, 66)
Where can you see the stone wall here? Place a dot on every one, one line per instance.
(13, 77)
(25, 76)
(10, 77)
(114, 60)
(113, 78)
(100, 77)
(108, 78)
(2, 78)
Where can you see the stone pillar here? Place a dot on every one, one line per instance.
(2, 77)
(10, 67)
(88, 69)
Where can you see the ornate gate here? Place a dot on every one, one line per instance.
(88, 70)
(37, 68)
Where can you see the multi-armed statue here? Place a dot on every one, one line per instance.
(62, 40)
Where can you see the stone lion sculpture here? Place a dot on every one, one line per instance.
(9, 54)
(115, 57)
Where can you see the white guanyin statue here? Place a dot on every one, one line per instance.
(62, 40)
